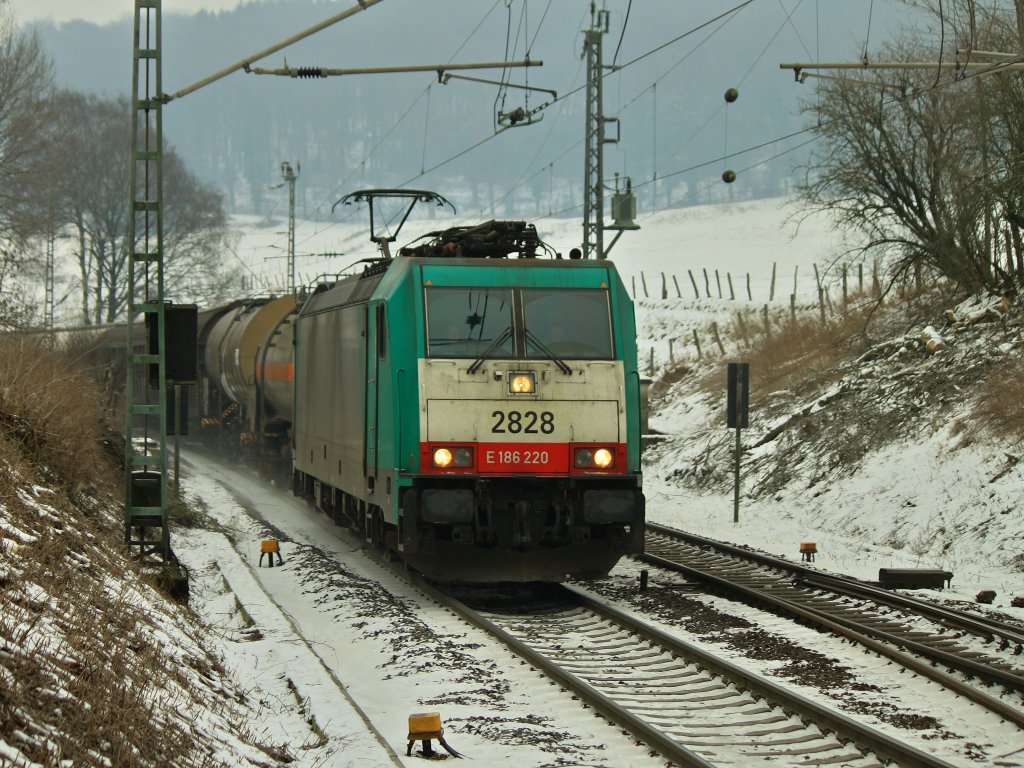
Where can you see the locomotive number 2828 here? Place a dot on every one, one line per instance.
(523, 422)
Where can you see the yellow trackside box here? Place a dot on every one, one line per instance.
(425, 725)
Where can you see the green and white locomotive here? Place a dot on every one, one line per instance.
(469, 405)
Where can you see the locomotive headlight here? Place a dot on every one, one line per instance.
(603, 458)
(457, 457)
(522, 384)
(442, 457)
(594, 458)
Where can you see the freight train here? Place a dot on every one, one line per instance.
(470, 404)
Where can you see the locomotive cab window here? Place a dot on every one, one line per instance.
(567, 323)
(466, 322)
(522, 323)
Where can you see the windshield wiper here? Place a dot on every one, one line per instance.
(502, 338)
(548, 353)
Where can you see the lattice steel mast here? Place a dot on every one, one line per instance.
(593, 164)
(145, 519)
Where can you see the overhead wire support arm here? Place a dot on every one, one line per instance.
(971, 68)
(518, 116)
(443, 78)
(441, 69)
(248, 61)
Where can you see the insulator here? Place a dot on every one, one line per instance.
(310, 72)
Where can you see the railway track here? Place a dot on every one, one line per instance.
(669, 695)
(958, 650)
(694, 708)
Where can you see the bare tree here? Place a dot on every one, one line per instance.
(25, 180)
(95, 202)
(924, 162)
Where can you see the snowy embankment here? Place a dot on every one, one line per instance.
(882, 465)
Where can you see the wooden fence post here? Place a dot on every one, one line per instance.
(671, 354)
(664, 287)
(718, 282)
(643, 281)
(718, 339)
(696, 292)
(679, 294)
(771, 293)
(707, 283)
(767, 324)
(696, 342)
(750, 296)
(732, 294)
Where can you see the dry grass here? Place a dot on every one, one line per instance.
(87, 675)
(794, 354)
(802, 352)
(999, 407)
(55, 411)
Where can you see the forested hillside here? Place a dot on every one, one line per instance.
(390, 130)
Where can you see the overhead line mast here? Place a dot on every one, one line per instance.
(593, 162)
(145, 410)
(624, 202)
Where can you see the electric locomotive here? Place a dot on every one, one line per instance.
(474, 407)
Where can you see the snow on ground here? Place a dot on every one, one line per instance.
(372, 654)
(316, 647)
(917, 503)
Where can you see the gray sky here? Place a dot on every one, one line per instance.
(103, 11)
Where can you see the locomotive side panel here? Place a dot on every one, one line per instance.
(396, 341)
(330, 396)
(625, 341)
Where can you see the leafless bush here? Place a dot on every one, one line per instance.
(54, 411)
(999, 408)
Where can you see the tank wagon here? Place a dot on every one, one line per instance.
(468, 405)
(245, 394)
